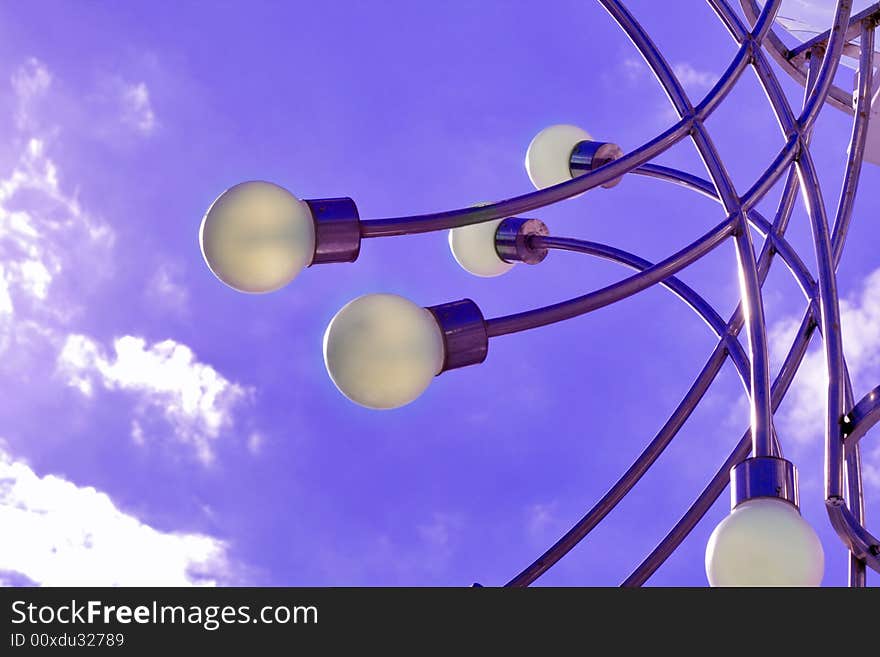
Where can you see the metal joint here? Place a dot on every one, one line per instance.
(861, 418)
(763, 476)
(337, 230)
(512, 240)
(751, 45)
(590, 155)
(465, 339)
(835, 502)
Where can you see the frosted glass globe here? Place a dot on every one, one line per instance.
(548, 157)
(473, 247)
(256, 237)
(764, 542)
(382, 351)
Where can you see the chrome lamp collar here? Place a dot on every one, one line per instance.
(337, 230)
(764, 476)
(465, 339)
(590, 155)
(512, 240)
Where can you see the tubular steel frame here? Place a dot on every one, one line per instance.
(813, 65)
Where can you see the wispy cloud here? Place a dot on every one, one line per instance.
(61, 534)
(441, 532)
(164, 378)
(419, 552)
(804, 408)
(51, 251)
(166, 289)
(634, 71)
(111, 107)
(634, 68)
(30, 83)
(255, 443)
(541, 520)
(692, 79)
(122, 108)
(55, 256)
(136, 109)
(39, 223)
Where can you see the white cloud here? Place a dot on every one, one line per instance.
(60, 534)
(137, 111)
(540, 519)
(52, 254)
(137, 431)
(112, 107)
(633, 68)
(441, 533)
(165, 377)
(166, 290)
(5, 297)
(255, 443)
(44, 232)
(803, 410)
(30, 83)
(693, 79)
(54, 257)
(634, 71)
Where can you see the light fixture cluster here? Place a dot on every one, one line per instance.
(382, 351)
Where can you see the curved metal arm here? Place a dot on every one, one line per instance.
(719, 482)
(826, 289)
(684, 292)
(830, 321)
(837, 97)
(632, 475)
(721, 88)
(533, 200)
(722, 477)
(833, 51)
(581, 529)
(861, 543)
(728, 344)
(579, 305)
(857, 142)
(848, 521)
(857, 538)
(857, 577)
(789, 256)
(681, 413)
(773, 173)
(861, 418)
(818, 86)
(752, 302)
(732, 21)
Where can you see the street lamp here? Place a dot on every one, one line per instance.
(382, 351)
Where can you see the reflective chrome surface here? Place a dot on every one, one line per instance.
(764, 476)
(337, 230)
(512, 240)
(590, 155)
(813, 64)
(805, 20)
(465, 340)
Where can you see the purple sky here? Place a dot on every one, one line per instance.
(158, 427)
